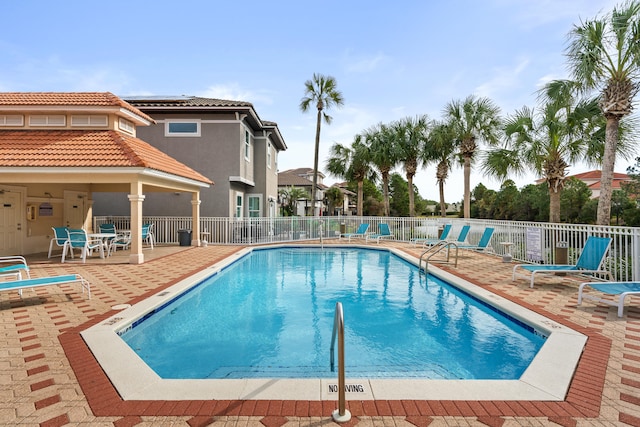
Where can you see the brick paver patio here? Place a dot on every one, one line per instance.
(49, 377)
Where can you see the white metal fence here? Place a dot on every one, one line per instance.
(531, 241)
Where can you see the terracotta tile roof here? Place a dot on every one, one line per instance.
(597, 174)
(86, 148)
(290, 179)
(61, 99)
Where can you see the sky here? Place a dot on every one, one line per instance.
(391, 60)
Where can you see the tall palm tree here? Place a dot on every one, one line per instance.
(411, 134)
(472, 120)
(562, 131)
(441, 148)
(604, 54)
(384, 155)
(321, 91)
(353, 164)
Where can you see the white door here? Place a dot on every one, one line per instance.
(75, 210)
(11, 223)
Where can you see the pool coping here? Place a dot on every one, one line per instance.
(546, 379)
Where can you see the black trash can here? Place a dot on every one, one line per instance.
(184, 237)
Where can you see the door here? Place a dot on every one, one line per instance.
(75, 210)
(10, 223)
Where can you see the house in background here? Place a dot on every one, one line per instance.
(303, 178)
(57, 150)
(592, 179)
(224, 140)
(349, 203)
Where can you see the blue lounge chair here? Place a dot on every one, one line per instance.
(590, 262)
(383, 233)
(483, 244)
(360, 232)
(14, 266)
(619, 289)
(429, 241)
(19, 285)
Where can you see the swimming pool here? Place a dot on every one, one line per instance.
(547, 377)
(270, 315)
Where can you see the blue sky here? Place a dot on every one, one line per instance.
(391, 60)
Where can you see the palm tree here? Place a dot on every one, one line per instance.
(353, 164)
(604, 54)
(411, 134)
(335, 197)
(564, 130)
(472, 120)
(384, 155)
(289, 197)
(442, 149)
(321, 92)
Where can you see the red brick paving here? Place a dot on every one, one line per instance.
(595, 375)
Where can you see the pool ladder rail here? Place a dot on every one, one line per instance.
(436, 249)
(342, 414)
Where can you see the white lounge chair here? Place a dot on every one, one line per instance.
(590, 262)
(620, 290)
(360, 232)
(14, 266)
(21, 284)
(430, 241)
(384, 233)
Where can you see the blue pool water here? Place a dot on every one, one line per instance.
(270, 315)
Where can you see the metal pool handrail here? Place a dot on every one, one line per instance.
(341, 414)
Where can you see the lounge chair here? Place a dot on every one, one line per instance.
(429, 241)
(147, 234)
(383, 233)
(619, 289)
(14, 266)
(590, 262)
(78, 239)
(360, 232)
(462, 237)
(59, 238)
(21, 284)
(483, 244)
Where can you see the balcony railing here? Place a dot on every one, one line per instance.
(531, 241)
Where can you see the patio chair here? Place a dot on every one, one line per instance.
(147, 234)
(14, 266)
(360, 232)
(383, 233)
(21, 284)
(78, 239)
(621, 290)
(429, 241)
(462, 238)
(483, 244)
(122, 241)
(59, 238)
(590, 262)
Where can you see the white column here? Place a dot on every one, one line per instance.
(195, 215)
(136, 198)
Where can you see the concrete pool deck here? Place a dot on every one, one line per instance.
(50, 377)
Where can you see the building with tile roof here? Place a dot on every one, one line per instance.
(224, 140)
(58, 150)
(303, 178)
(592, 179)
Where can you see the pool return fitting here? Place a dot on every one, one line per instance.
(342, 414)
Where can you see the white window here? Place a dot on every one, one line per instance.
(254, 206)
(92, 120)
(187, 128)
(12, 120)
(126, 125)
(247, 145)
(38, 120)
(269, 155)
(239, 205)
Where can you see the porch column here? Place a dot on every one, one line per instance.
(136, 198)
(195, 215)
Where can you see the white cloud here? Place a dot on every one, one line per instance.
(235, 92)
(364, 64)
